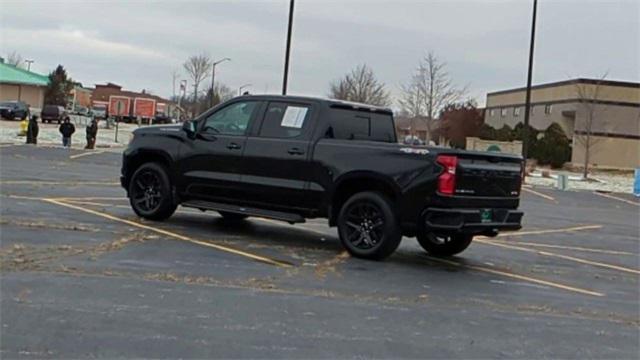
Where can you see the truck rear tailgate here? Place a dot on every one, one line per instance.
(488, 175)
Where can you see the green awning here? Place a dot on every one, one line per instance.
(10, 74)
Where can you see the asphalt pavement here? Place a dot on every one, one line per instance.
(83, 277)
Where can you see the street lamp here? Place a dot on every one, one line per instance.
(285, 78)
(182, 92)
(29, 62)
(527, 102)
(213, 76)
(242, 87)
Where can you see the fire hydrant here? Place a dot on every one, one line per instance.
(24, 124)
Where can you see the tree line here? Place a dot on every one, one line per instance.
(197, 95)
(429, 96)
(428, 91)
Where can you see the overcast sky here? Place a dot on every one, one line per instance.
(485, 43)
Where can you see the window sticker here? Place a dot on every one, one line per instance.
(294, 117)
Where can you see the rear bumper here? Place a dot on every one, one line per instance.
(473, 221)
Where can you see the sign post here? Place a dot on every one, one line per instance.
(119, 109)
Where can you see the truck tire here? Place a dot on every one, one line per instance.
(229, 216)
(444, 244)
(368, 226)
(150, 193)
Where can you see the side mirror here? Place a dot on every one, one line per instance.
(189, 127)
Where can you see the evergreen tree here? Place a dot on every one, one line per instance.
(60, 85)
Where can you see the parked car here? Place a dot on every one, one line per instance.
(292, 158)
(52, 113)
(161, 118)
(412, 140)
(99, 112)
(79, 110)
(11, 110)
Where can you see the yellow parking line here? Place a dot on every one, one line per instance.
(487, 270)
(21, 197)
(173, 235)
(95, 204)
(92, 203)
(120, 198)
(617, 198)
(549, 231)
(576, 248)
(545, 196)
(87, 154)
(560, 256)
(519, 277)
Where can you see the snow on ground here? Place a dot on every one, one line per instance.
(602, 181)
(49, 135)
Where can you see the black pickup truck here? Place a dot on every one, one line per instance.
(292, 158)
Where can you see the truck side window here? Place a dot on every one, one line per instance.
(353, 128)
(231, 120)
(284, 120)
(382, 128)
(358, 125)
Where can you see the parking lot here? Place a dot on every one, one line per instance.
(82, 276)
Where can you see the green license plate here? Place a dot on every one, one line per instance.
(486, 215)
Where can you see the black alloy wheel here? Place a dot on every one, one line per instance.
(146, 191)
(368, 227)
(364, 225)
(150, 192)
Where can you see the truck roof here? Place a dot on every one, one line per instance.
(334, 103)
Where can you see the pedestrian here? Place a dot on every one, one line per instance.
(32, 130)
(92, 133)
(67, 129)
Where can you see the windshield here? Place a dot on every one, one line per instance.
(8, 104)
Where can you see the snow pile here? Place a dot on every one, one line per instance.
(600, 181)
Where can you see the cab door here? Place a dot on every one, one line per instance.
(276, 158)
(210, 165)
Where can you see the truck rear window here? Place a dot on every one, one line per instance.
(360, 125)
(50, 109)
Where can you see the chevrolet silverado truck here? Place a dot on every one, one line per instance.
(295, 158)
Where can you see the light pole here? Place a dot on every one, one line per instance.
(242, 87)
(29, 62)
(527, 103)
(182, 92)
(288, 50)
(213, 77)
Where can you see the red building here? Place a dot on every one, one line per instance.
(112, 95)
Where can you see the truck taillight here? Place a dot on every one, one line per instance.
(447, 180)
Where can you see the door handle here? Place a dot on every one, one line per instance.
(233, 146)
(295, 151)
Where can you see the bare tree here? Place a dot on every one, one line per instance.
(15, 59)
(589, 118)
(198, 67)
(360, 85)
(411, 101)
(429, 90)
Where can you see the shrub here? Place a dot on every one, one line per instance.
(554, 148)
(549, 147)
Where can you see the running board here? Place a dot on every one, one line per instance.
(249, 211)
